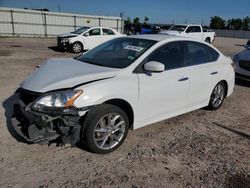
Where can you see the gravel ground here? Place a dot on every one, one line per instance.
(199, 149)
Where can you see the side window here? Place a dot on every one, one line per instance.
(189, 29)
(193, 29)
(107, 32)
(171, 55)
(95, 32)
(199, 53)
(197, 29)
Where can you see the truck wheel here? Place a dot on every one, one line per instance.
(208, 40)
(77, 47)
(106, 127)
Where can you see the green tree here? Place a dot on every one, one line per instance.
(146, 19)
(246, 23)
(136, 20)
(237, 24)
(127, 21)
(217, 22)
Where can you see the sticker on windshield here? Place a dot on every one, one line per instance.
(133, 48)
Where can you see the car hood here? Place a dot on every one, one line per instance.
(170, 32)
(244, 55)
(62, 73)
(67, 35)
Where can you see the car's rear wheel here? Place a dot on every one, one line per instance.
(106, 127)
(77, 47)
(217, 96)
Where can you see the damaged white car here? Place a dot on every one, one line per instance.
(123, 84)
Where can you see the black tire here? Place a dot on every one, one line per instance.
(94, 116)
(77, 47)
(208, 40)
(212, 105)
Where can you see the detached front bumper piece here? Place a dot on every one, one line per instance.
(36, 127)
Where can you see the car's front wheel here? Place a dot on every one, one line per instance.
(77, 47)
(217, 96)
(106, 127)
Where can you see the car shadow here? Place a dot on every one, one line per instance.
(243, 83)
(240, 45)
(8, 107)
(247, 136)
(55, 48)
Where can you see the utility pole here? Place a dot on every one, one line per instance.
(59, 6)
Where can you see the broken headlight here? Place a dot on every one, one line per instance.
(60, 99)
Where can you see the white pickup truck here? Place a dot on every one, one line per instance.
(192, 31)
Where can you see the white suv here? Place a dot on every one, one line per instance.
(86, 38)
(123, 84)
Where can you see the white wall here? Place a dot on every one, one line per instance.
(20, 22)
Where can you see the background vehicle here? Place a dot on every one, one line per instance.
(192, 31)
(86, 38)
(242, 63)
(133, 29)
(125, 83)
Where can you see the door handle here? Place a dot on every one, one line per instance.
(183, 79)
(213, 73)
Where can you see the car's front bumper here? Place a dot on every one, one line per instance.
(242, 77)
(63, 45)
(44, 128)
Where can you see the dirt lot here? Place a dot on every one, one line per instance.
(198, 149)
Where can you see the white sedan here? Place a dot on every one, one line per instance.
(242, 63)
(86, 38)
(125, 83)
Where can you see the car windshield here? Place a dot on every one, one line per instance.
(117, 53)
(80, 30)
(178, 28)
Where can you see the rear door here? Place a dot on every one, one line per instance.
(107, 34)
(204, 72)
(194, 32)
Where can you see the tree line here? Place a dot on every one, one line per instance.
(136, 20)
(217, 22)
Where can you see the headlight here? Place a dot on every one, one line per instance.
(61, 99)
(64, 40)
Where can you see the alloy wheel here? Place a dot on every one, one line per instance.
(109, 131)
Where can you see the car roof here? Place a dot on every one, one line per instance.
(158, 37)
(188, 24)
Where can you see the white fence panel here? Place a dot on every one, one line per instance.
(5, 28)
(19, 22)
(29, 30)
(5, 16)
(59, 20)
(87, 21)
(56, 30)
(32, 18)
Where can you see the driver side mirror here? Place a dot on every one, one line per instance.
(86, 34)
(154, 66)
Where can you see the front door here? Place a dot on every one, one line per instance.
(92, 39)
(164, 94)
